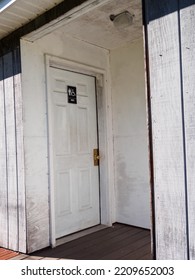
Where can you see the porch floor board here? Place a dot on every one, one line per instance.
(117, 242)
(7, 254)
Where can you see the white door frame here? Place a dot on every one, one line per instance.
(105, 136)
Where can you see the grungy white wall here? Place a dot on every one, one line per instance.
(129, 120)
(130, 135)
(35, 123)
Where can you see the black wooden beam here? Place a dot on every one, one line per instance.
(11, 41)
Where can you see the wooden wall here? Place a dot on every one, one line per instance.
(171, 51)
(12, 191)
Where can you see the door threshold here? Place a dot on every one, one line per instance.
(79, 234)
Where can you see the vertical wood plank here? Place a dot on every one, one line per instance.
(167, 127)
(187, 18)
(3, 167)
(20, 152)
(11, 152)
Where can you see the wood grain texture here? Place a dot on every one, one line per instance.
(11, 152)
(169, 175)
(117, 242)
(187, 19)
(36, 157)
(7, 254)
(12, 188)
(20, 152)
(3, 166)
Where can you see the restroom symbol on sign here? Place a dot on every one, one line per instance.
(72, 94)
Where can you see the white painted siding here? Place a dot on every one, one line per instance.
(12, 188)
(188, 61)
(130, 135)
(166, 91)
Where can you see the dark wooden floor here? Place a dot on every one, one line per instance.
(113, 243)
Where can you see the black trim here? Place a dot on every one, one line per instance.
(13, 40)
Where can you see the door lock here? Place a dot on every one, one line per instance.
(96, 157)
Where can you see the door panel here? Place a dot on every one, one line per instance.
(74, 129)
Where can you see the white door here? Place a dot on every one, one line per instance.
(74, 130)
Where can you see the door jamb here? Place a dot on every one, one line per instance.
(104, 117)
(150, 133)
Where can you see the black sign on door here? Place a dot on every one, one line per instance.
(72, 94)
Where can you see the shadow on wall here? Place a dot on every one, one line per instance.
(10, 64)
(157, 9)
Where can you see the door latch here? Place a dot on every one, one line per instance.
(96, 157)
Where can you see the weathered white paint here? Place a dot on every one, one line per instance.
(21, 192)
(188, 62)
(86, 7)
(74, 136)
(103, 93)
(64, 52)
(11, 152)
(35, 123)
(35, 147)
(3, 165)
(102, 31)
(167, 128)
(12, 191)
(130, 135)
